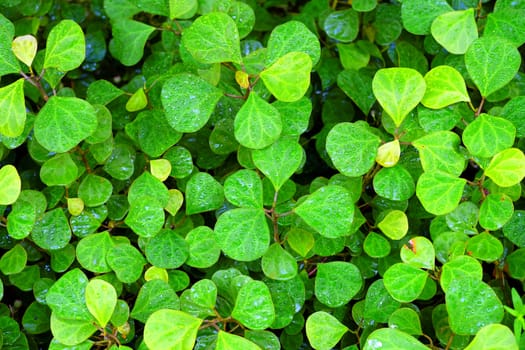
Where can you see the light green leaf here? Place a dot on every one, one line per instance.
(203, 193)
(278, 264)
(295, 116)
(66, 297)
(419, 253)
(204, 250)
(507, 23)
(183, 9)
(137, 101)
(228, 341)
(257, 124)
(484, 247)
(507, 168)
(213, 38)
(250, 294)
(404, 282)
(65, 46)
(126, 261)
(398, 91)
(364, 5)
(60, 170)
(188, 101)
(289, 77)
(101, 299)
(323, 330)
(376, 245)
(10, 184)
(95, 190)
(492, 63)
(154, 295)
(279, 161)
(146, 218)
(147, 186)
(243, 233)
(461, 267)
(492, 337)
(12, 109)
(63, 122)
(406, 320)
(394, 225)
(302, 241)
(445, 86)
(71, 332)
(21, 219)
(495, 211)
(8, 62)
(472, 304)
(439, 192)
(167, 249)
(91, 252)
(129, 39)
(292, 36)
(394, 183)
(244, 189)
(392, 339)
(175, 201)
(352, 147)
(171, 330)
(418, 15)
(337, 282)
(455, 30)
(488, 135)
(14, 260)
(52, 230)
(439, 151)
(200, 299)
(329, 211)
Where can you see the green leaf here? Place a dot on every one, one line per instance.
(392, 339)
(244, 189)
(126, 261)
(513, 111)
(279, 161)
(154, 295)
(148, 186)
(295, 116)
(10, 184)
(302, 241)
(460, 267)
(507, 23)
(60, 170)
(188, 101)
(101, 299)
(394, 183)
(36, 318)
(102, 92)
(52, 230)
(398, 91)
(472, 304)
(439, 151)
(329, 211)
(213, 38)
(404, 282)
(200, 299)
(129, 39)
(289, 77)
(65, 46)
(183, 9)
(250, 294)
(419, 253)
(8, 62)
(406, 320)
(66, 297)
(493, 336)
(203, 193)
(278, 264)
(292, 36)
(228, 341)
(376, 245)
(492, 63)
(488, 135)
(171, 330)
(12, 109)
(257, 124)
(455, 30)
(394, 224)
(203, 249)
(264, 339)
(445, 86)
(167, 250)
(507, 167)
(342, 25)
(364, 5)
(495, 211)
(337, 282)
(21, 219)
(357, 84)
(439, 192)
(352, 147)
(91, 252)
(484, 247)
(146, 219)
(418, 15)
(14, 260)
(71, 332)
(63, 122)
(243, 234)
(323, 330)
(514, 227)
(95, 190)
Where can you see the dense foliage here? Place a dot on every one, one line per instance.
(224, 174)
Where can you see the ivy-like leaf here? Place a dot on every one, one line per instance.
(439, 192)
(129, 39)
(65, 46)
(507, 168)
(507, 23)
(439, 151)
(418, 15)
(392, 339)
(52, 231)
(12, 109)
(292, 36)
(10, 184)
(488, 135)
(254, 293)
(455, 30)
(171, 329)
(323, 330)
(404, 282)
(445, 86)
(337, 282)
(357, 84)
(493, 336)
(101, 299)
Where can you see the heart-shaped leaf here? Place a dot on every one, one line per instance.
(445, 86)
(455, 30)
